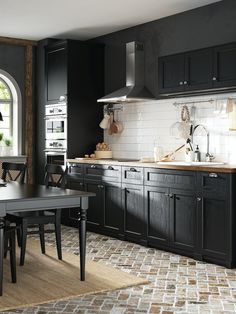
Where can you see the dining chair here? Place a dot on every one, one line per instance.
(55, 175)
(10, 245)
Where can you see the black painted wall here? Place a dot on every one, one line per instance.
(203, 27)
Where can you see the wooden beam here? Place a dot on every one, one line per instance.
(29, 110)
(18, 41)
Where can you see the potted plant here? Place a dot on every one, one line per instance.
(8, 146)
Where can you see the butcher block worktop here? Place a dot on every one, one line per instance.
(213, 167)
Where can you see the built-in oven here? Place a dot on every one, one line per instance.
(56, 127)
(56, 133)
(55, 157)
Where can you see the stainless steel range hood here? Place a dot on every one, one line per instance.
(134, 90)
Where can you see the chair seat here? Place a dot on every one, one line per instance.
(45, 217)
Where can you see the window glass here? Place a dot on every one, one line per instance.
(5, 93)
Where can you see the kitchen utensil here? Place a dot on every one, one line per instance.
(110, 129)
(104, 124)
(168, 156)
(114, 127)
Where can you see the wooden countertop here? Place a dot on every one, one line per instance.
(223, 168)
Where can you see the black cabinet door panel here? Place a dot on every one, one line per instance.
(134, 214)
(171, 74)
(94, 213)
(158, 216)
(113, 214)
(56, 65)
(198, 70)
(214, 227)
(225, 66)
(183, 219)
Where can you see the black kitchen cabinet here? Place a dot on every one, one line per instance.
(56, 72)
(183, 219)
(74, 70)
(214, 206)
(186, 212)
(95, 211)
(224, 66)
(198, 70)
(172, 217)
(171, 74)
(158, 215)
(69, 217)
(134, 212)
(112, 209)
(211, 69)
(105, 211)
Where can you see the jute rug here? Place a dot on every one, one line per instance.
(44, 279)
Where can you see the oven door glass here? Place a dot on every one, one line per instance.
(55, 128)
(54, 158)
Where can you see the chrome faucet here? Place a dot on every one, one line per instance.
(208, 157)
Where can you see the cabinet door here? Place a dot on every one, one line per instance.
(56, 73)
(113, 215)
(214, 227)
(134, 214)
(94, 213)
(198, 70)
(69, 217)
(158, 215)
(183, 219)
(171, 74)
(224, 66)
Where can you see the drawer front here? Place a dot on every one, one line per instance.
(214, 182)
(76, 170)
(170, 178)
(105, 173)
(132, 175)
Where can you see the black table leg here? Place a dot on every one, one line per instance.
(82, 235)
(2, 223)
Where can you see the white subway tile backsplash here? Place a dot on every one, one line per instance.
(146, 123)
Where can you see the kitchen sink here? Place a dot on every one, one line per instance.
(192, 163)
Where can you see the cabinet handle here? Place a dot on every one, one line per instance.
(101, 186)
(81, 184)
(133, 170)
(93, 166)
(171, 195)
(214, 78)
(167, 194)
(181, 83)
(110, 168)
(185, 82)
(213, 175)
(199, 199)
(127, 191)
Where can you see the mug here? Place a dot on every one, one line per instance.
(104, 124)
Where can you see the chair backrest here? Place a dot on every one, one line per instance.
(55, 175)
(13, 171)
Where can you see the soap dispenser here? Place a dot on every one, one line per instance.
(197, 155)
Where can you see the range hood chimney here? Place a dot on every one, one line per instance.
(135, 70)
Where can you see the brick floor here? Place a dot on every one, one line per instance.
(177, 284)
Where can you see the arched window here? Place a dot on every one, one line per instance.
(10, 108)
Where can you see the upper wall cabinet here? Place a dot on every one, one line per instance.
(56, 78)
(225, 66)
(197, 71)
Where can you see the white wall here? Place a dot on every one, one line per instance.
(144, 123)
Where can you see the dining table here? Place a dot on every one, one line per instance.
(16, 197)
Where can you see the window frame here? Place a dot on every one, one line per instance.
(10, 102)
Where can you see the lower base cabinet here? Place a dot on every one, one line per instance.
(214, 233)
(134, 213)
(171, 218)
(186, 212)
(183, 219)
